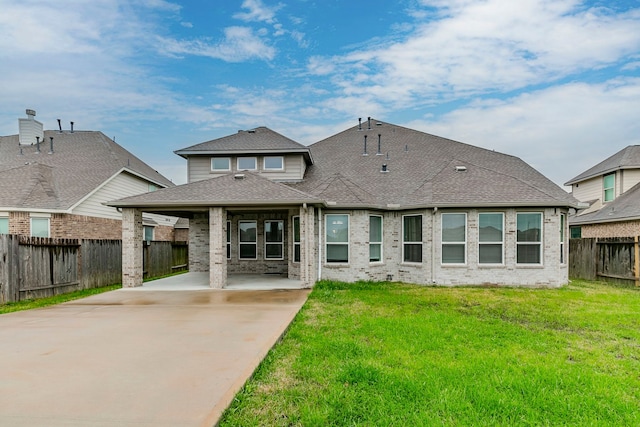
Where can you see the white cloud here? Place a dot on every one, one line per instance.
(239, 44)
(257, 12)
(483, 47)
(561, 131)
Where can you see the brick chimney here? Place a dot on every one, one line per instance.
(29, 129)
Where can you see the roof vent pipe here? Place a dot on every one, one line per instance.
(369, 120)
(59, 126)
(359, 123)
(379, 153)
(71, 127)
(50, 145)
(37, 144)
(365, 146)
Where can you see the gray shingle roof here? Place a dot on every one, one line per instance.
(627, 158)
(225, 190)
(625, 207)
(422, 171)
(80, 163)
(254, 141)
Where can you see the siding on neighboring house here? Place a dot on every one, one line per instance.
(630, 177)
(590, 189)
(122, 185)
(199, 168)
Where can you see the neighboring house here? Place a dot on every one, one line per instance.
(374, 202)
(611, 189)
(55, 183)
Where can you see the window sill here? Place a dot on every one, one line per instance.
(529, 266)
(411, 264)
(336, 265)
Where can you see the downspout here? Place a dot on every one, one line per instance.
(319, 243)
(433, 245)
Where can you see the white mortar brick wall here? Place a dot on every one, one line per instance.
(550, 273)
(218, 247)
(199, 243)
(132, 237)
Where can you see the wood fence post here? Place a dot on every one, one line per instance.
(636, 264)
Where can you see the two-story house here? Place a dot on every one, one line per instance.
(612, 191)
(374, 202)
(54, 183)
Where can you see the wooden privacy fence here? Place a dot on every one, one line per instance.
(615, 259)
(33, 267)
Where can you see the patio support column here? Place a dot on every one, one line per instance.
(307, 245)
(217, 247)
(131, 247)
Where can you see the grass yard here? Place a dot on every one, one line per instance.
(382, 354)
(57, 299)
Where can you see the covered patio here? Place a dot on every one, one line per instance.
(219, 246)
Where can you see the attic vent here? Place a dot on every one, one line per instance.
(461, 168)
(239, 176)
(384, 168)
(251, 131)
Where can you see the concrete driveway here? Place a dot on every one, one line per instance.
(131, 358)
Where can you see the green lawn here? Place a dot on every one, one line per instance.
(381, 354)
(57, 299)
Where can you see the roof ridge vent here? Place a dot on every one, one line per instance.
(251, 131)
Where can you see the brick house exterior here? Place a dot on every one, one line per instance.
(54, 184)
(374, 202)
(610, 192)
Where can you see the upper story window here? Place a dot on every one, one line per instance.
(152, 187)
(273, 163)
(247, 164)
(221, 164)
(609, 185)
(529, 238)
(454, 238)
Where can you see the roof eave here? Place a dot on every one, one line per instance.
(185, 153)
(200, 204)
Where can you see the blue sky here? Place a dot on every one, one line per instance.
(554, 82)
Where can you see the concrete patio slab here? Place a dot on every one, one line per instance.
(127, 358)
(193, 281)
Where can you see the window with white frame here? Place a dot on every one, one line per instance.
(274, 239)
(4, 225)
(375, 238)
(228, 239)
(529, 238)
(40, 227)
(148, 232)
(247, 164)
(296, 239)
(273, 163)
(563, 233)
(609, 186)
(412, 238)
(247, 239)
(337, 238)
(454, 238)
(490, 238)
(220, 164)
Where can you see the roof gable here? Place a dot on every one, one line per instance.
(260, 140)
(623, 208)
(627, 158)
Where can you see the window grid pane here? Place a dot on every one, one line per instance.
(296, 239)
(454, 238)
(40, 227)
(529, 238)
(337, 238)
(274, 239)
(228, 239)
(4, 225)
(221, 163)
(248, 239)
(491, 237)
(375, 238)
(412, 238)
